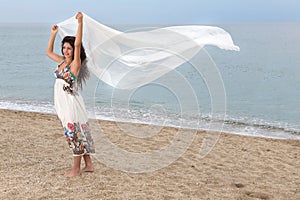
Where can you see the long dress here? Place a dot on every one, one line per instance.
(70, 108)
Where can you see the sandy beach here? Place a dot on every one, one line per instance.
(35, 156)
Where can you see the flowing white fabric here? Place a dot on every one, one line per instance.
(128, 60)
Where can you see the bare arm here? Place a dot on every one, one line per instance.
(76, 64)
(49, 50)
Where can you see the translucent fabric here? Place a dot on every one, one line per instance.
(128, 60)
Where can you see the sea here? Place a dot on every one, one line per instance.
(260, 84)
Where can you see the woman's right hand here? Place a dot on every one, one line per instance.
(54, 29)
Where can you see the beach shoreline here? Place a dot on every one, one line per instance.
(35, 156)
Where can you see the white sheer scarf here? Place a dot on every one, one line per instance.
(128, 60)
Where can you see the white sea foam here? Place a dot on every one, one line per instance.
(41, 107)
(256, 128)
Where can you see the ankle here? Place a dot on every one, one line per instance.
(77, 169)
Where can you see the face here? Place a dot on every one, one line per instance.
(67, 50)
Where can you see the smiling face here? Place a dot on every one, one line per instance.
(67, 47)
(67, 50)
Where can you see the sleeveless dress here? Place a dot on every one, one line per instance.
(70, 108)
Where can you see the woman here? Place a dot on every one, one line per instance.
(69, 105)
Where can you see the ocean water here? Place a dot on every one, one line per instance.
(261, 82)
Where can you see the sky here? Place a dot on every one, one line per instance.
(152, 11)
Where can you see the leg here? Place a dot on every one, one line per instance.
(75, 170)
(88, 164)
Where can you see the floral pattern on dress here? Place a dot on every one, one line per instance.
(68, 77)
(79, 139)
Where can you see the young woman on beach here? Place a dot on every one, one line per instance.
(69, 105)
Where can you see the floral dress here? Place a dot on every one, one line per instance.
(70, 108)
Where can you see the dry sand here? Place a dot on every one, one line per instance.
(34, 158)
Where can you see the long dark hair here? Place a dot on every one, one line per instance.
(83, 72)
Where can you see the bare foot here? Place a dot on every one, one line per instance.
(72, 173)
(88, 169)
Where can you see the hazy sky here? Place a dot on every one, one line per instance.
(152, 11)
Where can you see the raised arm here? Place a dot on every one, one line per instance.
(77, 45)
(49, 50)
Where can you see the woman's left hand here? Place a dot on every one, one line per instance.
(79, 17)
